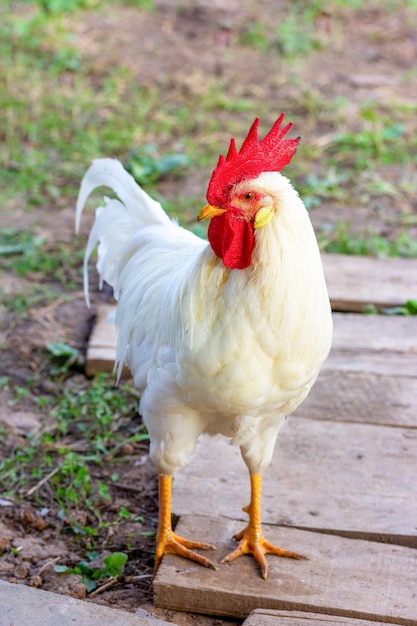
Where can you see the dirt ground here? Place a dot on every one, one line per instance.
(366, 54)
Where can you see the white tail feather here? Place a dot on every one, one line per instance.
(117, 220)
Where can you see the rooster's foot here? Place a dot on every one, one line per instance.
(173, 544)
(167, 542)
(258, 546)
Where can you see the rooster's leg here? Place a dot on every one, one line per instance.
(167, 542)
(253, 541)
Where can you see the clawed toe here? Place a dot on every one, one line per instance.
(185, 548)
(258, 546)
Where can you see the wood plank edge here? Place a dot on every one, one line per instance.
(210, 602)
(258, 617)
(360, 306)
(406, 541)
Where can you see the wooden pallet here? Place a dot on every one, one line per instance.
(341, 486)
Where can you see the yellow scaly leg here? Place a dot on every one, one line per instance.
(167, 542)
(253, 541)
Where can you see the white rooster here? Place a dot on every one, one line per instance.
(225, 336)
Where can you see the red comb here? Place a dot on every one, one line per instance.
(270, 154)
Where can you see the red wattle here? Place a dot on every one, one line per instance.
(232, 240)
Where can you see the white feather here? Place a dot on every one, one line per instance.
(212, 350)
(116, 220)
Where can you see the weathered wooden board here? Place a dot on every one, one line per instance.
(265, 617)
(346, 577)
(356, 281)
(101, 349)
(375, 344)
(358, 480)
(376, 333)
(100, 359)
(364, 361)
(357, 397)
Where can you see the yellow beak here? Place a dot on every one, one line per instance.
(210, 211)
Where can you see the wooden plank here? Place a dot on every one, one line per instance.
(365, 361)
(99, 359)
(265, 617)
(376, 344)
(355, 281)
(101, 349)
(344, 577)
(357, 480)
(354, 397)
(376, 333)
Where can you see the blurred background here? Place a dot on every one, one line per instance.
(162, 85)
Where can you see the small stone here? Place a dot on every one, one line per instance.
(127, 450)
(22, 422)
(4, 542)
(35, 581)
(21, 571)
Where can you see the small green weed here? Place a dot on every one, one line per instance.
(297, 31)
(145, 5)
(296, 37)
(379, 143)
(255, 35)
(91, 575)
(147, 167)
(408, 308)
(381, 139)
(64, 357)
(19, 393)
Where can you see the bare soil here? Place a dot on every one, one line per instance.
(365, 54)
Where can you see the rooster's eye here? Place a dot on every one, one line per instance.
(248, 196)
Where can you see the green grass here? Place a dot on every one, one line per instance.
(55, 120)
(19, 303)
(381, 140)
(90, 426)
(255, 34)
(342, 241)
(57, 116)
(26, 253)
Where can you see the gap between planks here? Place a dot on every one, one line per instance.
(265, 617)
